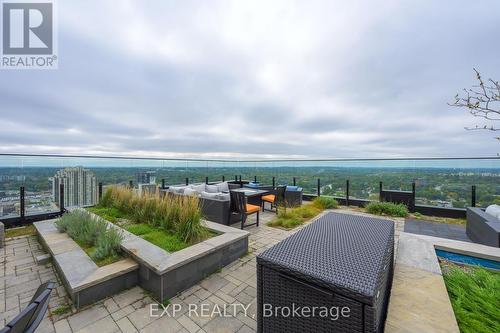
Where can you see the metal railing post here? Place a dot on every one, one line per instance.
(473, 194)
(22, 208)
(255, 179)
(294, 181)
(347, 192)
(223, 178)
(380, 186)
(131, 183)
(99, 191)
(61, 198)
(274, 182)
(319, 187)
(163, 183)
(413, 196)
(187, 181)
(206, 180)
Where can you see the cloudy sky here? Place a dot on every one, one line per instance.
(256, 79)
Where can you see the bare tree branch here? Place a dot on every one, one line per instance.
(482, 101)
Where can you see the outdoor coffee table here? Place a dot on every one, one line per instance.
(338, 262)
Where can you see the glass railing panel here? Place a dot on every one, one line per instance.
(439, 182)
(12, 177)
(9, 203)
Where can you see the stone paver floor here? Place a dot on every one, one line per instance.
(20, 276)
(130, 311)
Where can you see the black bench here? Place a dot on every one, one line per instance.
(28, 320)
(338, 262)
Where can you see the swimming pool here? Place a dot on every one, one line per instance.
(468, 260)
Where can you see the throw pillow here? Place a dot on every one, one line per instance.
(493, 210)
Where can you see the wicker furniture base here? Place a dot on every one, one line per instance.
(337, 263)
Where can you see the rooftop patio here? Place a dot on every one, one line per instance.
(419, 298)
(129, 311)
(419, 301)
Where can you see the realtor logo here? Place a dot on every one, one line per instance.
(28, 35)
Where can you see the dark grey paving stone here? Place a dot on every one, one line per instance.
(436, 229)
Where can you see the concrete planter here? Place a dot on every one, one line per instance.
(85, 282)
(165, 274)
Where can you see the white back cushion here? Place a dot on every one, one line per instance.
(177, 189)
(198, 188)
(223, 187)
(211, 188)
(493, 210)
(190, 191)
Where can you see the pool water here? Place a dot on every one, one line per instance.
(468, 260)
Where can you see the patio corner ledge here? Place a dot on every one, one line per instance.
(85, 282)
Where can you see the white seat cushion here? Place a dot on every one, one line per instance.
(493, 210)
(224, 196)
(209, 195)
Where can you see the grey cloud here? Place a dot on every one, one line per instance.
(379, 91)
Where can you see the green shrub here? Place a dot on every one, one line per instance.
(325, 203)
(291, 217)
(92, 234)
(90, 231)
(80, 226)
(387, 208)
(108, 244)
(189, 227)
(287, 219)
(111, 214)
(474, 295)
(306, 211)
(107, 199)
(180, 215)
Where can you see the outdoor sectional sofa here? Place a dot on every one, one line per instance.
(484, 226)
(215, 201)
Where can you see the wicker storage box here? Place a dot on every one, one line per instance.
(340, 261)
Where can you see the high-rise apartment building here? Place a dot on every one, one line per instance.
(80, 186)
